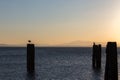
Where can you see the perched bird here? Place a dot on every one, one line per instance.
(29, 41)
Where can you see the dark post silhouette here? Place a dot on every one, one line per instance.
(93, 56)
(96, 56)
(111, 68)
(30, 58)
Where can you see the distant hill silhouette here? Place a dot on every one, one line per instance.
(3, 44)
(79, 43)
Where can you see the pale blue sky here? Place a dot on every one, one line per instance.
(58, 21)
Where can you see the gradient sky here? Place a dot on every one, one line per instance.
(59, 21)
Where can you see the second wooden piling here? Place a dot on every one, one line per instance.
(96, 56)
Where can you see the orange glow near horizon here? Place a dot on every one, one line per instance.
(59, 22)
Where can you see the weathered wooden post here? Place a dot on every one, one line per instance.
(30, 58)
(111, 68)
(93, 56)
(96, 56)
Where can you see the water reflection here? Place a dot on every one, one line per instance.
(30, 76)
(96, 74)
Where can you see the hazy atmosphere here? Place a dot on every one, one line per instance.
(59, 22)
(59, 39)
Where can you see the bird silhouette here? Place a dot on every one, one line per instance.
(29, 41)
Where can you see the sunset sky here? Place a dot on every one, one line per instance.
(52, 22)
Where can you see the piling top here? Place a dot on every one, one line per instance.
(111, 47)
(30, 43)
(94, 45)
(111, 44)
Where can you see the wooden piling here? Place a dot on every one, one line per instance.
(30, 58)
(96, 56)
(111, 68)
(93, 56)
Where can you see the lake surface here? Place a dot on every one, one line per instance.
(52, 64)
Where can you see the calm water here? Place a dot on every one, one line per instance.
(51, 64)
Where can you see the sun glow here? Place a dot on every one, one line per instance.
(116, 26)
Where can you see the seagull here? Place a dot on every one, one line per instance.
(29, 41)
